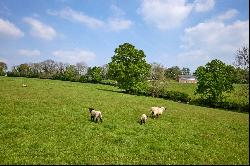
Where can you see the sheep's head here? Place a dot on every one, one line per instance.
(91, 109)
(163, 108)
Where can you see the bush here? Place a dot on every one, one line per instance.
(240, 107)
(156, 88)
(176, 96)
(109, 82)
(13, 74)
(83, 79)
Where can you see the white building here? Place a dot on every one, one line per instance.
(187, 79)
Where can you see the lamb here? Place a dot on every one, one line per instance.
(144, 118)
(156, 111)
(24, 85)
(95, 115)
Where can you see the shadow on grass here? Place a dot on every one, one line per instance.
(226, 106)
(110, 90)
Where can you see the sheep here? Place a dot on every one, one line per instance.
(24, 85)
(156, 111)
(144, 118)
(95, 115)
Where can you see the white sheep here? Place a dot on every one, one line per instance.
(24, 85)
(95, 115)
(156, 111)
(144, 118)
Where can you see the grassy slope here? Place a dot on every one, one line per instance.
(44, 124)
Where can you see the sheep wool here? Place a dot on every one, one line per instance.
(95, 115)
(156, 111)
(144, 118)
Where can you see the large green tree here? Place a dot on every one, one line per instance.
(214, 79)
(129, 68)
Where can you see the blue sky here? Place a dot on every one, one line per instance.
(186, 33)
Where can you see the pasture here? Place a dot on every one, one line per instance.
(48, 122)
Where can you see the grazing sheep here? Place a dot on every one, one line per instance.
(156, 111)
(95, 115)
(24, 85)
(144, 118)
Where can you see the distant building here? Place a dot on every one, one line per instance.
(187, 79)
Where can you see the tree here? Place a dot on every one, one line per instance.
(185, 71)
(104, 72)
(35, 70)
(242, 58)
(129, 68)
(23, 70)
(241, 76)
(214, 79)
(157, 71)
(3, 68)
(173, 73)
(81, 68)
(71, 73)
(94, 74)
(242, 64)
(158, 80)
(60, 72)
(49, 68)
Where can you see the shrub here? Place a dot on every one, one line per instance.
(109, 82)
(176, 96)
(240, 107)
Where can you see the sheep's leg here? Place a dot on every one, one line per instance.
(101, 120)
(141, 122)
(92, 118)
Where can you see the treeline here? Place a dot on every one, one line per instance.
(50, 69)
(80, 72)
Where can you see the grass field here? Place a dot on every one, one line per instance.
(48, 123)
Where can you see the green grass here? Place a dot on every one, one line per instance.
(48, 123)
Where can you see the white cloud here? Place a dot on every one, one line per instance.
(74, 56)
(164, 14)
(227, 15)
(40, 30)
(117, 24)
(203, 5)
(25, 52)
(214, 40)
(118, 12)
(9, 29)
(75, 16)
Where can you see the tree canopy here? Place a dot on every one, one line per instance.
(129, 68)
(214, 79)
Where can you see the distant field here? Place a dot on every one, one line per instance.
(238, 95)
(48, 123)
